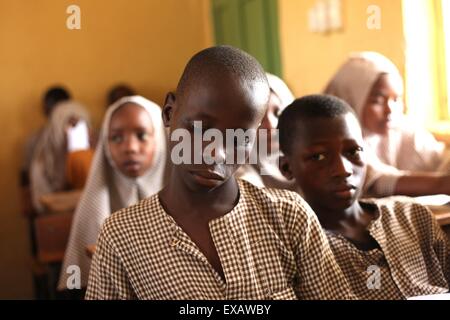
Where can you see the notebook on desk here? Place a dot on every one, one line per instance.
(436, 200)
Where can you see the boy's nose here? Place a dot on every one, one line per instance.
(342, 167)
(219, 154)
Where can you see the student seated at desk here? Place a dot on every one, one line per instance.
(51, 99)
(406, 159)
(387, 249)
(129, 165)
(207, 235)
(48, 172)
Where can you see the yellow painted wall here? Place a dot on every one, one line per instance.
(145, 43)
(309, 59)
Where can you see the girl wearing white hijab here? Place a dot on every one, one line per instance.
(48, 164)
(266, 172)
(373, 87)
(129, 165)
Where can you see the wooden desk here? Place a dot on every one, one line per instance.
(442, 214)
(61, 202)
(53, 227)
(52, 234)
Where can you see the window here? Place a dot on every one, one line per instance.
(427, 56)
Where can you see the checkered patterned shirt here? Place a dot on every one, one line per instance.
(270, 245)
(413, 259)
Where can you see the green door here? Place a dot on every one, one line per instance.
(251, 25)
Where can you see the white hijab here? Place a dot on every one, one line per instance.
(108, 190)
(356, 77)
(280, 88)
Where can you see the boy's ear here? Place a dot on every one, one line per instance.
(168, 109)
(285, 167)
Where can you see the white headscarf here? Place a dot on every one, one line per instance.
(108, 190)
(48, 164)
(356, 77)
(281, 90)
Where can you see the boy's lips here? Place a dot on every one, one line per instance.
(345, 191)
(207, 178)
(208, 174)
(344, 187)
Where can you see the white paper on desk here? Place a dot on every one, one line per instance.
(434, 200)
(442, 296)
(78, 137)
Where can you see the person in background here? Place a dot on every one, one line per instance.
(52, 97)
(388, 249)
(406, 159)
(129, 165)
(266, 172)
(117, 92)
(48, 166)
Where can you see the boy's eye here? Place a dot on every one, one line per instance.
(239, 143)
(116, 138)
(197, 129)
(356, 152)
(191, 127)
(318, 157)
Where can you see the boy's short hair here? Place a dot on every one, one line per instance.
(219, 59)
(306, 108)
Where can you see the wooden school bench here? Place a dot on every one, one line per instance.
(52, 230)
